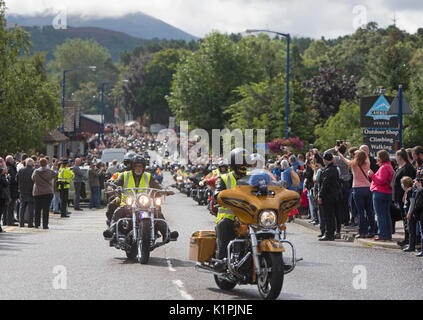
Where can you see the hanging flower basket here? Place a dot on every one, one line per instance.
(295, 144)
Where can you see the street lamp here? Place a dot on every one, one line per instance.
(102, 107)
(288, 38)
(92, 68)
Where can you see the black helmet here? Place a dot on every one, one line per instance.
(127, 159)
(239, 162)
(139, 159)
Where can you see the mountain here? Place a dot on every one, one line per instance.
(46, 39)
(138, 25)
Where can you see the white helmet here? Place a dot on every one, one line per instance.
(257, 160)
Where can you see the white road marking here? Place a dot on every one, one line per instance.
(180, 286)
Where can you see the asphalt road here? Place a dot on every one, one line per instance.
(72, 261)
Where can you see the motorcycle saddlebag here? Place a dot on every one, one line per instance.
(202, 246)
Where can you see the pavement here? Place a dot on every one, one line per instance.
(348, 234)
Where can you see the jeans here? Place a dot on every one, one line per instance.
(310, 204)
(27, 202)
(366, 215)
(95, 197)
(42, 203)
(420, 223)
(382, 205)
(55, 203)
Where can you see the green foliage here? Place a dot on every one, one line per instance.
(204, 84)
(345, 125)
(413, 124)
(78, 53)
(28, 101)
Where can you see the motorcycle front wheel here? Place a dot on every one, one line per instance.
(270, 283)
(145, 239)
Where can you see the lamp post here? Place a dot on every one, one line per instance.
(102, 108)
(93, 68)
(288, 38)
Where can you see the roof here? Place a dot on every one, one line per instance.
(93, 117)
(55, 136)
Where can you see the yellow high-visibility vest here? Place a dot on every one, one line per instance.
(65, 176)
(129, 182)
(223, 212)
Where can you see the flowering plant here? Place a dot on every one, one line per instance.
(295, 144)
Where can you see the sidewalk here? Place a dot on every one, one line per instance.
(349, 235)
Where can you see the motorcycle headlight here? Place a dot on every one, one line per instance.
(268, 219)
(129, 201)
(158, 202)
(143, 201)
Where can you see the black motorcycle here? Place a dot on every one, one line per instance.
(137, 233)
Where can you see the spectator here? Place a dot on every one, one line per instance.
(373, 163)
(55, 204)
(94, 182)
(382, 195)
(309, 186)
(318, 166)
(361, 194)
(4, 190)
(26, 185)
(405, 169)
(343, 216)
(79, 179)
(276, 172)
(43, 192)
(417, 211)
(14, 193)
(407, 186)
(329, 195)
(286, 175)
(21, 164)
(64, 179)
(112, 169)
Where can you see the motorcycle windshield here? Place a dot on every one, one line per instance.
(256, 176)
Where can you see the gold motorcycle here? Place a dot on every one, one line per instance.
(255, 256)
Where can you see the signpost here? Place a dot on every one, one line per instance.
(381, 128)
(382, 119)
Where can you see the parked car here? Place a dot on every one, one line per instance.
(87, 190)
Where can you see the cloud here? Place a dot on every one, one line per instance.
(328, 18)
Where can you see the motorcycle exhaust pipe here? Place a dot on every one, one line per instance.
(203, 269)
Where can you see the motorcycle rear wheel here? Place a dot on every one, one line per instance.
(269, 284)
(145, 236)
(224, 284)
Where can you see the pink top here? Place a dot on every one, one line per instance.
(360, 179)
(382, 179)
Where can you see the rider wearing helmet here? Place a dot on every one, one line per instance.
(225, 218)
(137, 178)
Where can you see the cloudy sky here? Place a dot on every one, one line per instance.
(313, 18)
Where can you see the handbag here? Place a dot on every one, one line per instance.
(368, 178)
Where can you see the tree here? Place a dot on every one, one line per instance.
(203, 85)
(158, 80)
(345, 125)
(328, 89)
(413, 124)
(28, 101)
(388, 64)
(76, 53)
